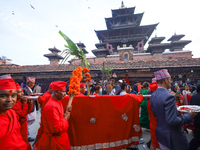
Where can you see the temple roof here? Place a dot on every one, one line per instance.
(156, 40)
(116, 35)
(51, 55)
(100, 52)
(132, 20)
(82, 46)
(54, 49)
(123, 11)
(161, 46)
(176, 37)
(117, 65)
(182, 42)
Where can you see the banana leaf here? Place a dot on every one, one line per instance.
(72, 48)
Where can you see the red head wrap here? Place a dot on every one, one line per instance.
(18, 86)
(7, 84)
(50, 86)
(153, 86)
(82, 84)
(59, 86)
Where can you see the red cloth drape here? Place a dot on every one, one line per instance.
(116, 121)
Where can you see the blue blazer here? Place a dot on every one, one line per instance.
(169, 129)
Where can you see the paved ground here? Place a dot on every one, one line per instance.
(146, 134)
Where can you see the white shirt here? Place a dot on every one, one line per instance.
(112, 92)
(123, 93)
(186, 92)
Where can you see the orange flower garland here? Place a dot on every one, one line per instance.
(74, 86)
(87, 75)
(86, 70)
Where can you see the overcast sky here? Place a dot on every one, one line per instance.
(27, 33)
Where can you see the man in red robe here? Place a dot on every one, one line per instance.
(42, 100)
(10, 136)
(153, 121)
(22, 107)
(82, 89)
(54, 121)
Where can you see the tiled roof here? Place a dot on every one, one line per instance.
(117, 65)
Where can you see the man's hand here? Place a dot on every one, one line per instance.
(69, 109)
(24, 99)
(193, 113)
(67, 115)
(30, 102)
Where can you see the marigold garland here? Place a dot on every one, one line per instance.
(87, 75)
(86, 70)
(74, 87)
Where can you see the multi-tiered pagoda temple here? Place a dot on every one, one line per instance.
(123, 30)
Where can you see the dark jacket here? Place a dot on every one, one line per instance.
(169, 129)
(195, 100)
(27, 92)
(135, 88)
(117, 89)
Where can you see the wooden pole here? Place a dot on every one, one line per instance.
(71, 97)
(103, 75)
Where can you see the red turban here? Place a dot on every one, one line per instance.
(7, 84)
(50, 86)
(82, 84)
(153, 86)
(59, 86)
(18, 86)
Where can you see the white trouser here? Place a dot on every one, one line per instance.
(30, 120)
(162, 147)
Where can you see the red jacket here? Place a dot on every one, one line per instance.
(10, 136)
(22, 110)
(55, 127)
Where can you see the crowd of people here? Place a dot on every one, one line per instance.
(158, 114)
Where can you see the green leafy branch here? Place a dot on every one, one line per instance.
(107, 70)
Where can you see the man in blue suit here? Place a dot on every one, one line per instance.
(169, 131)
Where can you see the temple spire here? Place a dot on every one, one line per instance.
(122, 5)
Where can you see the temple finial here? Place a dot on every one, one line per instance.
(122, 6)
